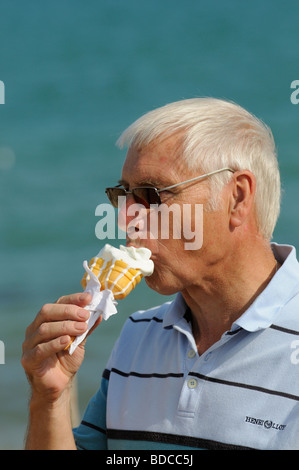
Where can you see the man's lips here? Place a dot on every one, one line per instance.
(134, 245)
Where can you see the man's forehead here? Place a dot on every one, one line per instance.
(149, 171)
(155, 164)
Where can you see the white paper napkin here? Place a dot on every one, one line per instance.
(103, 303)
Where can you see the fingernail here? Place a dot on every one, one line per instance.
(81, 326)
(84, 297)
(83, 314)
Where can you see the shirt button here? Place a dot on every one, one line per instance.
(192, 383)
(191, 353)
(208, 356)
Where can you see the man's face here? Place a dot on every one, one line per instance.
(176, 267)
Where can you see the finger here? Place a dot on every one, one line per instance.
(57, 312)
(48, 331)
(81, 299)
(99, 320)
(34, 358)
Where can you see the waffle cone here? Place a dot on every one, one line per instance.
(114, 275)
(120, 278)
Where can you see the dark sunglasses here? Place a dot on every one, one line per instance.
(147, 195)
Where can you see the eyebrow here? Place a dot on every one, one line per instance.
(146, 182)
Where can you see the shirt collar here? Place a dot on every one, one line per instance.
(175, 312)
(283, 285)
(266, 306)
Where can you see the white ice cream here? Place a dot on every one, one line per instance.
(136, 258)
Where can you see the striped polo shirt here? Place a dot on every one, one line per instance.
(242, 393)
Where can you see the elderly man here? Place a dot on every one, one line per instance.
(217, 367)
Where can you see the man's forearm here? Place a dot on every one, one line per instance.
(50, 425)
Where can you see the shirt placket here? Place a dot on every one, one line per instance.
(202, 365)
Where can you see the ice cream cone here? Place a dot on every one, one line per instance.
(115, 275)
(117, 271)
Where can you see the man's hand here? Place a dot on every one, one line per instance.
(50, 368)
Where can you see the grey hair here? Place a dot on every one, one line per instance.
(218, 133)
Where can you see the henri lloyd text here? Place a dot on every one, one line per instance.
(268, 424)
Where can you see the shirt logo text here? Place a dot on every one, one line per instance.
(267, 423)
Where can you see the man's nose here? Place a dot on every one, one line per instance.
(131, 215)
(122, 222)
(126, 213)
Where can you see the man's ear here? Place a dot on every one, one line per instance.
(242, 197)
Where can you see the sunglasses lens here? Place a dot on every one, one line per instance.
(113, 194)
(146, 196)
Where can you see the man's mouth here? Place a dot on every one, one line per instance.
(133, 243)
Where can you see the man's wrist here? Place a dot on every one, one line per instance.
(50, 424)
(45, 402)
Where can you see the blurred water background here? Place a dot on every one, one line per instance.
(76, 74)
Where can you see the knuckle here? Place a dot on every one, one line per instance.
(24, 347)
(28, 332)
(42, 330)
(24, 361)
(65, 326)
(45, 311)
(68, 310)
(37, 352)
(45, 308)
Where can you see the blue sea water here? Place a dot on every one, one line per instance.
(76, 74)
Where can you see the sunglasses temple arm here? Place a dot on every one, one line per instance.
(197, 178)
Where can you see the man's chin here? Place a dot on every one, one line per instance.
(159, 287)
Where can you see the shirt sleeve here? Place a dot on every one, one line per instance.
(91, 433)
